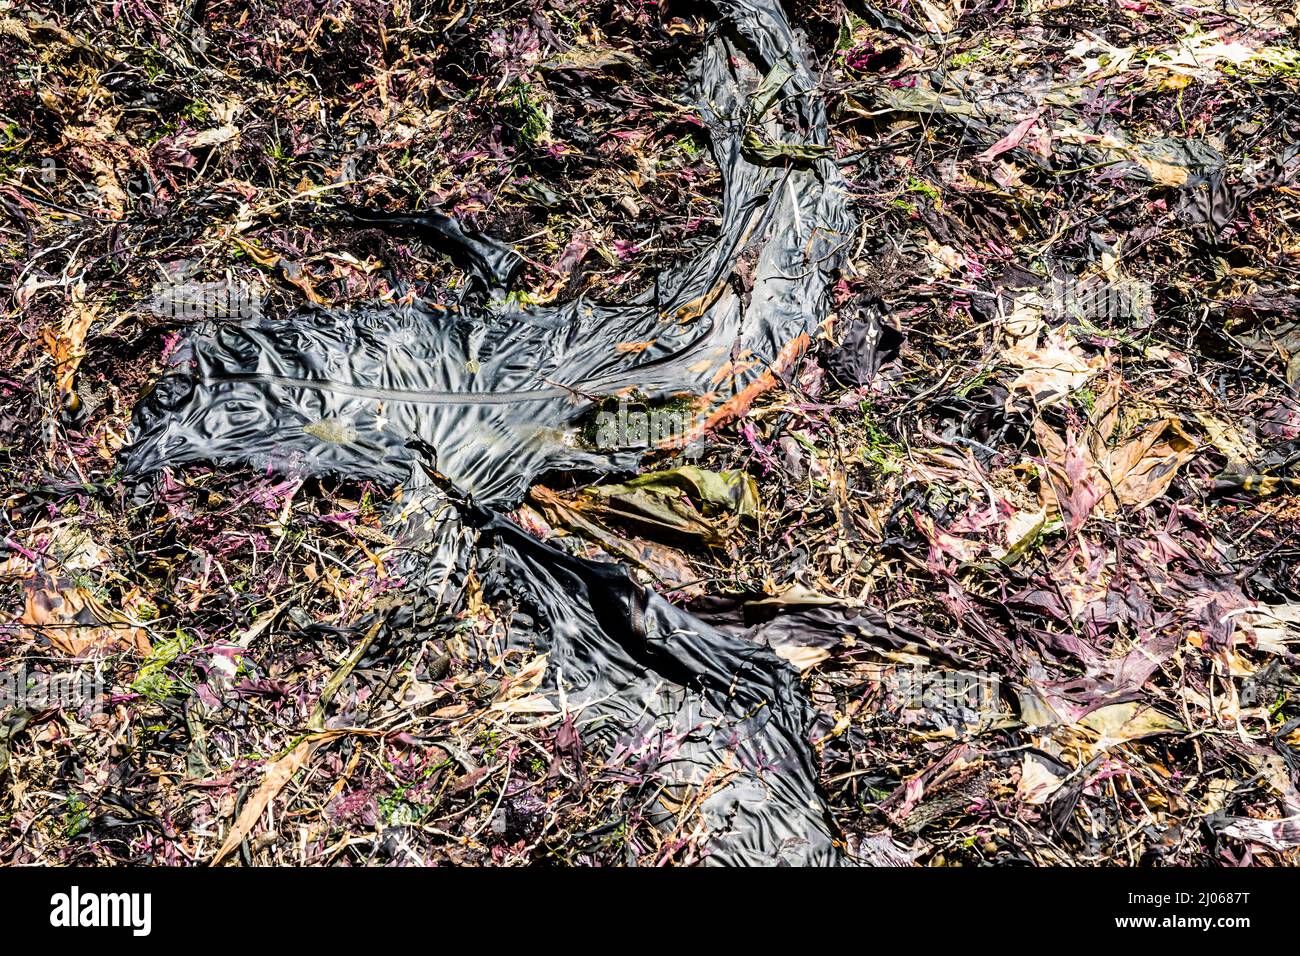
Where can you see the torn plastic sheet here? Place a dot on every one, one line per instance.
(500, 394)
(723, 718)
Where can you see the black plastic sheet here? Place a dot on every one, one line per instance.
(499, 395)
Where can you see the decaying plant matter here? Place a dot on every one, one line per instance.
(1021, 518)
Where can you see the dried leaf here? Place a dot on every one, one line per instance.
(1119, 723)
(67, 343)
(1051, 372)
(277, 775)
(73, 620)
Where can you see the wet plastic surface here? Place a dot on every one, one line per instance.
(499, 395)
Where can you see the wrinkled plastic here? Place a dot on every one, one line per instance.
(714, 712)
(498, 395)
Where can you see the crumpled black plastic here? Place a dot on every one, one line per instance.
(498, 395)
(869, 343)
(699, 703)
